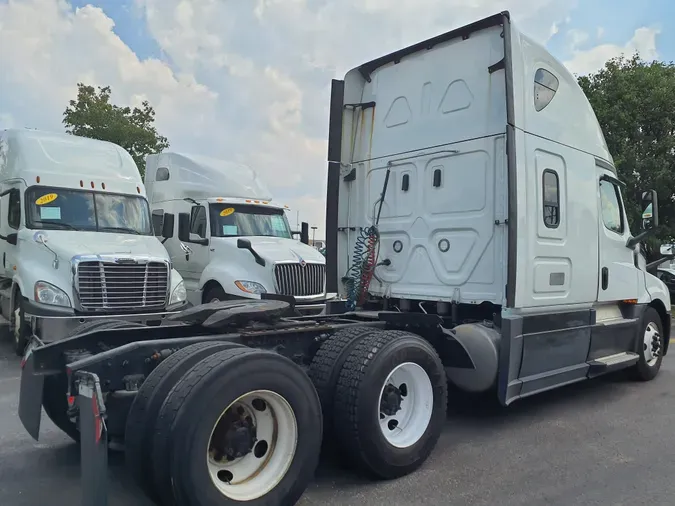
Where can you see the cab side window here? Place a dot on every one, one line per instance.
(612, 211)
(14, 209)
(198, 221)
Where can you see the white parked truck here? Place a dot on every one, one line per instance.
(76, 238)
(476, 234)
(233, 241)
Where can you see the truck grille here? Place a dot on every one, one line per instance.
(113, 286)
(298, 280)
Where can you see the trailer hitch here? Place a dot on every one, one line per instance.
(93, 440)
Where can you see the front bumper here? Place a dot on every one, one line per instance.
(53, 323)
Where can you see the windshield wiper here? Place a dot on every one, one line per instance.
(57, 224)
(119, 229)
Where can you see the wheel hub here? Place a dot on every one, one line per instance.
(390, 403)
(235, 436)
(252, 445)
(652, 344)
(656, 344)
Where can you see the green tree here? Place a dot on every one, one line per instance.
(634, 101)
(92, 115)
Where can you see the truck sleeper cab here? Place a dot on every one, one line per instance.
(487, 190)
(233, 241)
(474, 237)
(76, 237)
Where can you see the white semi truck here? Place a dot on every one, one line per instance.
(476, 235)
(233, 241)
(76, 241)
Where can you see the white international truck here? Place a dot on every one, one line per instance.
(476, 235)
(76, 241)
(233, 241)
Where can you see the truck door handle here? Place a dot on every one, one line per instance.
(605, 278)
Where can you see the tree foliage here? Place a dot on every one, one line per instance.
(634, 102)
(92, 115)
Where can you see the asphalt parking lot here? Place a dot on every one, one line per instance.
(604, 442)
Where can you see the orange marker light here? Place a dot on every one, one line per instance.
(37, 179)
(82, 183)
(92, 184)
(103, 185)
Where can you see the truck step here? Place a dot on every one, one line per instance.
(612, 363)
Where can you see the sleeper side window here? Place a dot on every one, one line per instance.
(545, 88)
(612, 211)
(551, 198)
(162, 174)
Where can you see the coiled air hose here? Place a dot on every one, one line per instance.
(364, 259)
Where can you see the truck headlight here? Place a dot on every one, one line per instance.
(179, 294)
(250, 287)
(47, 293)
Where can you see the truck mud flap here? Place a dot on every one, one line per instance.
(93, 441)
(30, 397)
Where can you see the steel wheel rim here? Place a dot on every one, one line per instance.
(416, 394)
(17, 326)
(651, 351)
(256, 473)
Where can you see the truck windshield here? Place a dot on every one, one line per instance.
(236, 220)
(68, 209)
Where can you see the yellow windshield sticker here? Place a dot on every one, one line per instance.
(46, 199)
(227, 212)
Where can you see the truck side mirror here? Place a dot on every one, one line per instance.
(167, 225)
(184, 227)
(246, 244)
(184, 230)
(12, 239)
(650, 210)
(304, 232)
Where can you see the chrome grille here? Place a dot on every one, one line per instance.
(298, 280)
(109, 285)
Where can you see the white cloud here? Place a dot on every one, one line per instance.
(46, 48)
(245, 80)
(577, 38)
(593, 59)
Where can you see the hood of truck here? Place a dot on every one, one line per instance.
(273, 249)
(68, 244)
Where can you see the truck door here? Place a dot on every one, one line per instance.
(618, 279)
(10, 222)
(199, 258)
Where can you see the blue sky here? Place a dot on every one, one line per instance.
(248, 80)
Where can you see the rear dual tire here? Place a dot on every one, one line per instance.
(259, 389)
(147, 404)
(388, 400)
